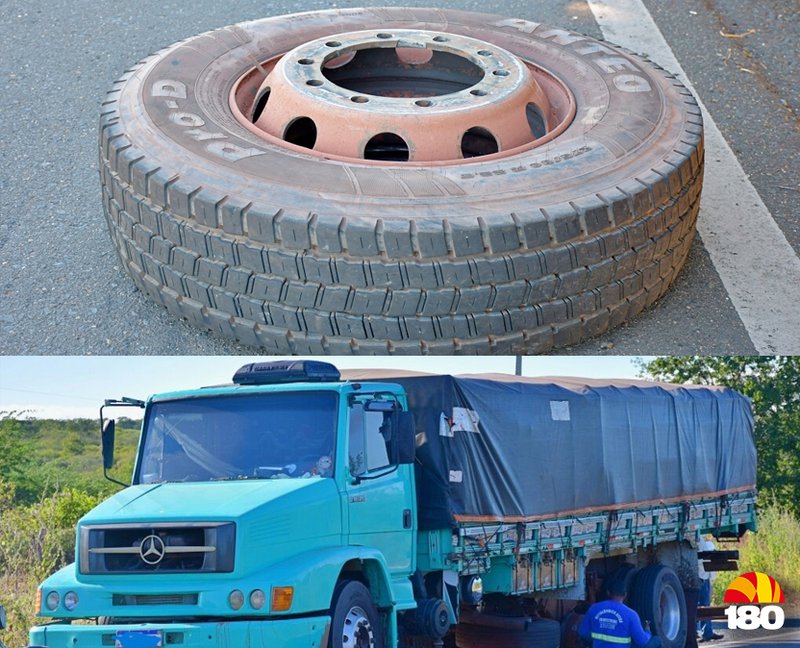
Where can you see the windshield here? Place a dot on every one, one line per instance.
(259, 436)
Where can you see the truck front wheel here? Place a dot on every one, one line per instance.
(354, 618)
(658, 597)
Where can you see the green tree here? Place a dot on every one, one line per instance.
(16, 458)
(773, 385)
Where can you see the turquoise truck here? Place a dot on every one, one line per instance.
(304, 507)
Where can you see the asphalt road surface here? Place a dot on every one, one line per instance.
(62, 290)
(785, 637)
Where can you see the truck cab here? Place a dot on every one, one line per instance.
(254, 510)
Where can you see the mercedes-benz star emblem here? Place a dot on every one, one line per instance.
(152, 550)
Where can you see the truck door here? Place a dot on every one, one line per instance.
(379, 496)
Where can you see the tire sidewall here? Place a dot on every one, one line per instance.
(347, 595)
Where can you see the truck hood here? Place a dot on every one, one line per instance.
(199, 501)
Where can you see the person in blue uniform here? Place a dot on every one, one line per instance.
(612, 624)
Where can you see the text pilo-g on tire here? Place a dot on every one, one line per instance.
(354, 618)
(309, 234)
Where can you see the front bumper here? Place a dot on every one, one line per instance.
(308, 632)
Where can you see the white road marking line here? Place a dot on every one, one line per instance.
(758, 267)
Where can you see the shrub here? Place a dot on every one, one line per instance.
(774, 550)
(35, 541)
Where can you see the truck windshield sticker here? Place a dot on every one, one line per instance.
(465, 420)
(559, 410)
(257, 436)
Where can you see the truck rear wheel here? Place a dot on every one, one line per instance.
(539, 633)
(354, 618)
(658, 597)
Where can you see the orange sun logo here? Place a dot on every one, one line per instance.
(754, 587)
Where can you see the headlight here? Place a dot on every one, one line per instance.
(236, 599)
(70, 600)
(52, 600)
(257, 599)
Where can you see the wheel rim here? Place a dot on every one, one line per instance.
(670, 613)
(357, 631)
(409, 96)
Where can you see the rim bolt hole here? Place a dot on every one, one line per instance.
(359, 99)
(478, 93)
(484, 52)
(440, 39)
(305, 61)
(314, 82)
(333, 44)
(500, 73)
(384, 36)
(423, 102)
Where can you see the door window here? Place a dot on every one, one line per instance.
(367, 444)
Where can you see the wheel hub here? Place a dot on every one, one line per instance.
(357, 631)
(402, 96)
(670, 613)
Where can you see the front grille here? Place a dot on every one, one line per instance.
(157, 548)
(154, 599)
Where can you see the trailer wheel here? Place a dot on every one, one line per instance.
(400, 180)
(539, 633)
(354, 618)
(658, 598)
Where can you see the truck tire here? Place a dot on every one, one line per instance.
(518, 250)
(539, 633)
(626, 573)
(658, 597)
(354, 618)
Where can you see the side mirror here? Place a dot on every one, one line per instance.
(107, 437)
(406, 438)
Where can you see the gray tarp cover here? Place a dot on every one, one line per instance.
(497, 447)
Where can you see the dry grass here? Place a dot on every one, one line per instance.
(774, 550)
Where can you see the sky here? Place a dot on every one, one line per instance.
(75, 386)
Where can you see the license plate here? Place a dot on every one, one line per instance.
(138, 639)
